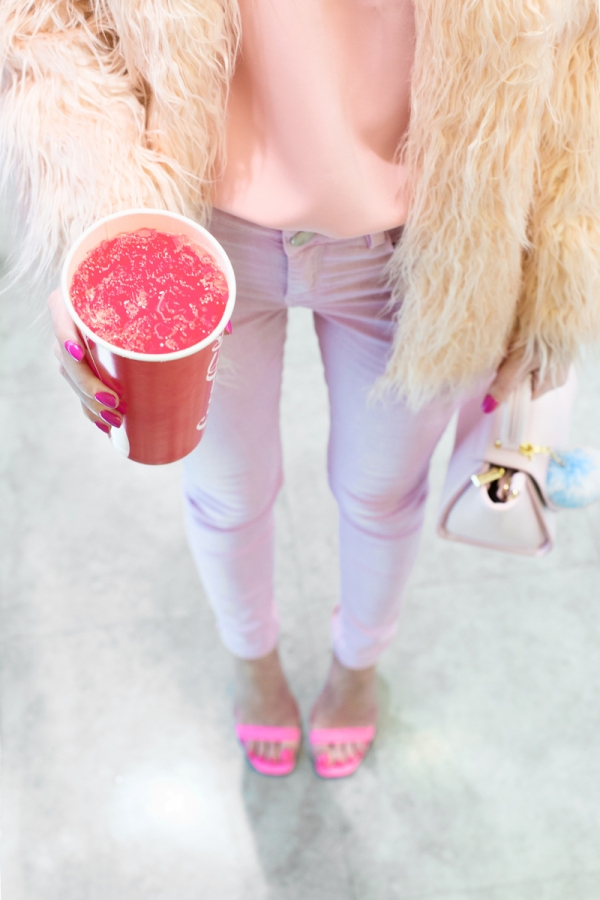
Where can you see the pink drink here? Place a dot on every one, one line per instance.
(149, 292)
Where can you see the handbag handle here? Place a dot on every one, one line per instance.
(515, 416)
(513, 428)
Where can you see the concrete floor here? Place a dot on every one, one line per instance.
(121, 777)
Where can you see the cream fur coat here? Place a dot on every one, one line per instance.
(108, 104)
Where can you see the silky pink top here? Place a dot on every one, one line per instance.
(319, 101)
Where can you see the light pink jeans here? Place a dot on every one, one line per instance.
(378, 456)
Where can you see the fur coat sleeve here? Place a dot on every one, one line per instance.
(502, 244)
(101, 111)
(559, 304)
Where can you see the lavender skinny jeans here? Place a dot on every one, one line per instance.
(379, 451)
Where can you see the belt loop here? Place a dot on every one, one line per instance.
(375, 240)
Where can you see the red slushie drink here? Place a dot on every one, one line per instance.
(151, 293)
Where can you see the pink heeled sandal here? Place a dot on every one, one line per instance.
(275, 735)
(319, 737)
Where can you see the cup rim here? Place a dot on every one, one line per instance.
(221, 259)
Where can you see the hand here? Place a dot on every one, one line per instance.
(98, 401)
(513, 370)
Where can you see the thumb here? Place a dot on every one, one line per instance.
(64, 327)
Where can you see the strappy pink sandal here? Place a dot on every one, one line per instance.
(270, 734)
(319, 737)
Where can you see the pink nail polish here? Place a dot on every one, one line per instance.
(107, 399)
(102, 427)
(228, 328)
(75, 350)
(111, 418)
(489, 404)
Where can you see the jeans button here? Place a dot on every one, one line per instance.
(301, 238)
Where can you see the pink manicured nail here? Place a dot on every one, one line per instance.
(107, 399)
(228, 328)
(102, 427)
(111, 418)
(489, 404)
(74, 350)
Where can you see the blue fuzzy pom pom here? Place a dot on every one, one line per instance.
(577, 483)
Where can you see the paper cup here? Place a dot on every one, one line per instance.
(165, 397)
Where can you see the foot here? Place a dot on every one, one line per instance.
(262, 697)
(348, 700)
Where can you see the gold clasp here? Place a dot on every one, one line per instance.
(487, 477)
(529, 450)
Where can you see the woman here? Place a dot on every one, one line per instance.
(452, 145)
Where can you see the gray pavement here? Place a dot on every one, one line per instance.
(121, 777)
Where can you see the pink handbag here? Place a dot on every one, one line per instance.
(495, 490)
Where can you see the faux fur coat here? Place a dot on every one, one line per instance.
(108, 104)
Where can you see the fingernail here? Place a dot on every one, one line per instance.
(102, 427)
(111, 418)
(74, 350)
(107, 399)
(489, 404)
(228, 328)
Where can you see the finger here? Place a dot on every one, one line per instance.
(509, 376)
(96, 409)
(81, 375)
(70, 352)
(99, 423)
(64, 327)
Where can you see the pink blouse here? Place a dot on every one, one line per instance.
(319, 102)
